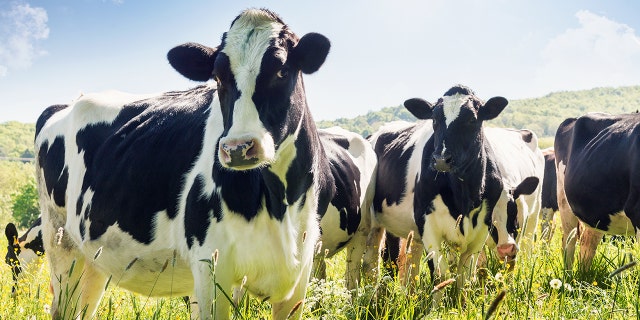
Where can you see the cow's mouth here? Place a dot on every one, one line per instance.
(239, 161)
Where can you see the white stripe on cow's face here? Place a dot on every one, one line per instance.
(451, 106)
(245, 45)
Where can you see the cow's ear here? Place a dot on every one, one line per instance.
(310, 52)
(492, 108)
(527, 186)
(11, 232)
(193, 60)
(420, 108)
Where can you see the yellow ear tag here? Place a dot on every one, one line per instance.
(15, 241)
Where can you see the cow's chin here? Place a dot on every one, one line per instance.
(243, 164)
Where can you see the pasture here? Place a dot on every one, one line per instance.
(537, 288)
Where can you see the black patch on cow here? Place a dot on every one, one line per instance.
(275, 197)
(549, 183)
(346, 177)
(393, 162)
(527, 135)
(46, 115)
(56, 175)
(242, 191)
(459, 89)
(197, 217)
(136, 164)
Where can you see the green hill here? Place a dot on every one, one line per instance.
(542, 115)
(16, 139)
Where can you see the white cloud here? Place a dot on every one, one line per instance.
(21, 27)
(600, 52)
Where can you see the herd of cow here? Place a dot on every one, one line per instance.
(140, 190)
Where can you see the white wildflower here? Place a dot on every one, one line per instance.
(498, 276)
(568, 287)
(555, 284)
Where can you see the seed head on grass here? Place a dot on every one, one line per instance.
(294, 309)
(98, 253)
(623, 269)
(131, 264)
(443, 285)
(494, 304)
(59, 235)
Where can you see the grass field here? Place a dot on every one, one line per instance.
(537, 288)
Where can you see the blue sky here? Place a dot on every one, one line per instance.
(383, 52)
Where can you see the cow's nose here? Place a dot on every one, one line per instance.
(442, 162)
(239, 152)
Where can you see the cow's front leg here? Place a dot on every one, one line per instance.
(211, 301)
(292, 307)
(437, 263)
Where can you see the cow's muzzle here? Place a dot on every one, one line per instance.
(441, 163)
(240, 154)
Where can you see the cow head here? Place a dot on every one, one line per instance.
(13, 249)
(22, 251)
(457, 124)
(258, 70)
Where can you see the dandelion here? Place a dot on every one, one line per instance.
(555, 284)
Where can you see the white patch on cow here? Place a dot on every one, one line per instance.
(451, 106)
(268, 252)
(246, 43)
(285, 155)
(620, 224)
(440, 225)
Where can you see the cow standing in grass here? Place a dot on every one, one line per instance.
(187, 193)
(24, 250)
(597, 157)
(448, 178)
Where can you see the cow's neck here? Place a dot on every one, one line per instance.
(469, 184)
(297, 166)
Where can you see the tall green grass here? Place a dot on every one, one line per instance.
(536, 288)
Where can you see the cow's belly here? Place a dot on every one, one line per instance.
(333, 236)
(618, 224)
(151, 270)
(398, 219)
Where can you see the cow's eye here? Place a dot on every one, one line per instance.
(282, 73)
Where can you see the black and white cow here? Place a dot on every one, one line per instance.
(597, 158)
(24, 250)
(143, 190)
(451, 179)
(549, 193)
(347, 221)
